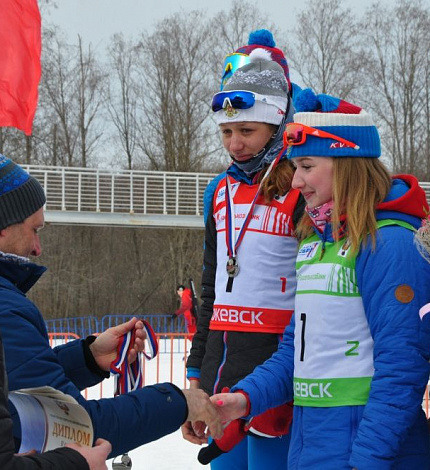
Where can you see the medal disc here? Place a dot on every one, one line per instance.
(124, 464)
(232, 267)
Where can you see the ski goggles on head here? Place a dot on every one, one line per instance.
(232, 62)
(295, 134)
(239, 99)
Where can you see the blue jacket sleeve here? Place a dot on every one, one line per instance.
(136, 418)
(209, 194)
(71, 358)
(394, 282)
(271, 383)
(128, 421)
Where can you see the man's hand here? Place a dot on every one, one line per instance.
(95, 456)
(194, 384)
(194, 432)
(104, 348)
(201, 409)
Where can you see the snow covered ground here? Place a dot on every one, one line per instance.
(171, 452)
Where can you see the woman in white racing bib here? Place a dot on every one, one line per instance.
(249, 276)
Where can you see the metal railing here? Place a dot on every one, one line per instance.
(89, 324)
(169, 365)
(159, 196)
(426, 186)
(121, 191)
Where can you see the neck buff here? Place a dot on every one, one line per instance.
(321, 215)
(263, 158)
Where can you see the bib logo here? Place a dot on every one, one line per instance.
(307, 251)
(312, 390)
(244, 317)
(221, 195)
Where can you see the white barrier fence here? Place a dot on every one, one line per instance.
(121, 191)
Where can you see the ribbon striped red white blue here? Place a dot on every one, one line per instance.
(129, 377)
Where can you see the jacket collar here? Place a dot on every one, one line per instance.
(20, 275)
(406, 201)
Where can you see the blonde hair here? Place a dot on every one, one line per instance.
(359, 185)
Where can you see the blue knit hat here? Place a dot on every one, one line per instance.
(21, 195)
(337, 117)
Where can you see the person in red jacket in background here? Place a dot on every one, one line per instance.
(186, 309)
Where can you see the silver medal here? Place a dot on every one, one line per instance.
(232, 267)
(124, 464)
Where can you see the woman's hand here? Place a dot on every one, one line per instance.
(230, 406)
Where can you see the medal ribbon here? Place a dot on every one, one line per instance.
(129, 377)
(230, 229)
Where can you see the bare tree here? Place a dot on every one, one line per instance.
(89, 99)
(232, 31)
(57, 97)
(396, 81)
(174, 93)
(13, 144)
(325, 51)
(66, 129)
(46, 5)
(103, 270)
(121, 99)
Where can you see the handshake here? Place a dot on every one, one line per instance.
(206, 414)
(210, 416)
(229, 407)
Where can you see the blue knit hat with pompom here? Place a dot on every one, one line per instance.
(337, 117)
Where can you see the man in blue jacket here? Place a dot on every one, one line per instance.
(127, 421)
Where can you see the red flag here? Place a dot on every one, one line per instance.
(20, 67)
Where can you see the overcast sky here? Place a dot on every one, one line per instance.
(97, 20)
